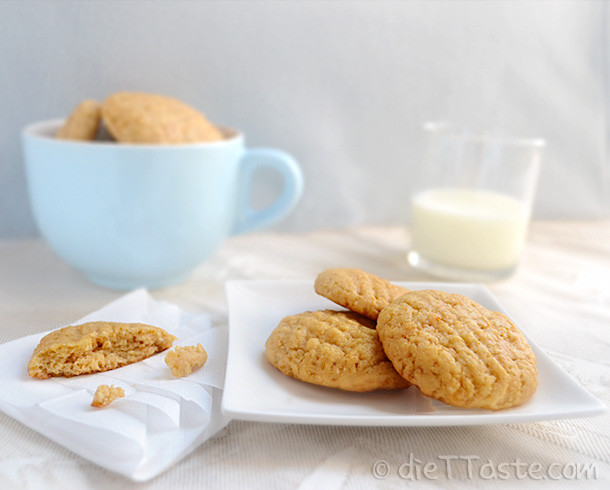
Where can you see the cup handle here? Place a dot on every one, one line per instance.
(249, 219)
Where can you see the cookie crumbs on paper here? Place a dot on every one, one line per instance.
(105, 395)
(184, 360)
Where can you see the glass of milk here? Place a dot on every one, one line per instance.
(470, 217)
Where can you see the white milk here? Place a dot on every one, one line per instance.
(469, 229)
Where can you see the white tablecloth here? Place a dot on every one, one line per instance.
(561, 292)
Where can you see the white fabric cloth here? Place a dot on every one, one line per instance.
(561, 292)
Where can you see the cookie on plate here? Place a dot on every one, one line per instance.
(83, 122)
(338, 349)
(95, 347)
(135, 117)
(455, 350)
(357, 290)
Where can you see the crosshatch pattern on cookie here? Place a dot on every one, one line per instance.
(357, 290)
(457, 351)
(338, 349)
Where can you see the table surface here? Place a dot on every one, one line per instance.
(561, 294)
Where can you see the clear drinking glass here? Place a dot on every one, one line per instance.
(470, 217)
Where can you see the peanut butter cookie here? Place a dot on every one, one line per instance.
(83, 123)
(357, 290)
(455, 350)
(134, 117)
(95, 347)
(338, 349)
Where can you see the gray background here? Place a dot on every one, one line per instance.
(343, 86)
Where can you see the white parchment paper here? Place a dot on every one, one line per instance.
(160, 420)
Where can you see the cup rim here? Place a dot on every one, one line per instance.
(456, 131)
(36, 130)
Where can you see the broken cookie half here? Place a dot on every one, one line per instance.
(95, 347)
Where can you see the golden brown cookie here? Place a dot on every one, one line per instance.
(95, 347)
(339, 349)
(133, 117)
(184, 360)
(83, 123)
(105, 395)
(357, 290)
(455, 350)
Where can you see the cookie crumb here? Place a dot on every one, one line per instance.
(184, 360)
(105, 395)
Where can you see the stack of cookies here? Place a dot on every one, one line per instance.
(447, 345)
(139, 118)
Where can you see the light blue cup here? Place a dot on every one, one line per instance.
(133, 216)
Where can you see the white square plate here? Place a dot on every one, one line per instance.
(254, 390)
